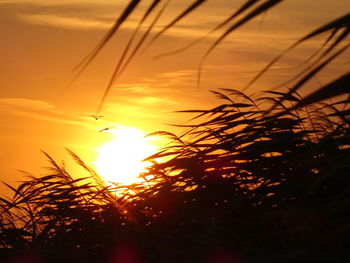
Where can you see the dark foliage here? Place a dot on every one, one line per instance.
(240, 186)
(335, 33)
(255, 181)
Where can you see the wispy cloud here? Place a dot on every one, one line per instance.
(82, 14)
(37, 109)
(164, 84)
(64, 21)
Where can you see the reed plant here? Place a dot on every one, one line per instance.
(252, 180)
(335, 35)
(241, 183)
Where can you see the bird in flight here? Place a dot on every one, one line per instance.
(96, 117)
(106, 129)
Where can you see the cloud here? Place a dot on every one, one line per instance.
(161, 93)
(37, 109)
(64, 21)
(100, 14)
(164, 84)
(93, 14)
(61, 14)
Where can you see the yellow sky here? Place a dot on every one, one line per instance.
(42, 40)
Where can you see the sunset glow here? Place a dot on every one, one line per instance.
(120, 160)
(174, 131)
(43, 41)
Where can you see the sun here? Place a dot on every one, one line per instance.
(120, 160)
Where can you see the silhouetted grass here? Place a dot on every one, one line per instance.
(240, 184)
(263, 180)
(335, 33)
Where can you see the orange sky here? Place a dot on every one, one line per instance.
(42, 40)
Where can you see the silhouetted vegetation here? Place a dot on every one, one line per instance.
(335, 35)
(241, 185)
(251, 180)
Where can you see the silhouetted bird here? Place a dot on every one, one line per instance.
(105, 129)
(96, 117)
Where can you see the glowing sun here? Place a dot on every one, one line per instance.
(120, 160)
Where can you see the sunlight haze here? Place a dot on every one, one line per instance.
(42, 41)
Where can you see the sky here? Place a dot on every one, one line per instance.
(43, 40)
